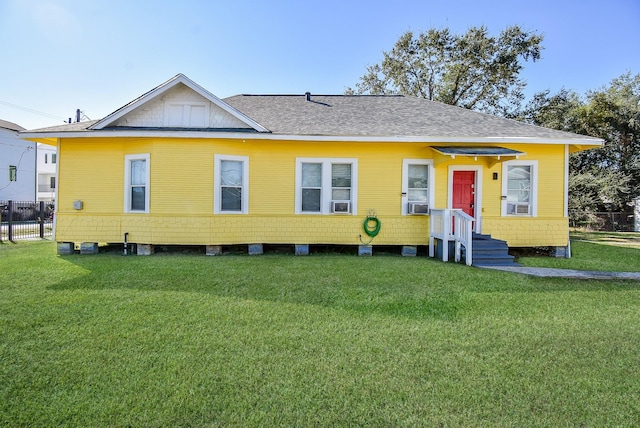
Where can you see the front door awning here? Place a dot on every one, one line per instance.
(495, 154)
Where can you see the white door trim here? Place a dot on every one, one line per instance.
(477, 203)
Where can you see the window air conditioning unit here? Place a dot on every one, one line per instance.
(341, 207)
(522, 209)
(418, 208)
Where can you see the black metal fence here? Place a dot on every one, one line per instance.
(606, 222)
(25, 220)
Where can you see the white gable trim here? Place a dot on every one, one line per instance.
(178, 79)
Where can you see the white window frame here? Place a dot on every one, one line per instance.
(325, 192)
(186, 113)
(127, 182)
(405, 182)
(217, 182)
(533, 191)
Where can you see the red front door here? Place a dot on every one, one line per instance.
(463, 197)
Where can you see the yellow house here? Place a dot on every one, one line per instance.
(179, 166)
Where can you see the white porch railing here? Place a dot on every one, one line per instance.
(451, 226)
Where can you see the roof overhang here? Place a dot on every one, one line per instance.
(493, 153)
(47, 141)
(576, 144)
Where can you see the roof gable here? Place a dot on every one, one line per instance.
(178, 103)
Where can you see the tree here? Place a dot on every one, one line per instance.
(562, 111)
(597, 190)
(607, 178)
(473, 70)
(613, 114)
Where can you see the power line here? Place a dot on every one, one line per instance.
(33, 111)
(18, 167)
(11, 145)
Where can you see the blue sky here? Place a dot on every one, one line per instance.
(59, 55)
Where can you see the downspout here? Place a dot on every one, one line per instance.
(35, 173)
(55, 192)
(566, 197)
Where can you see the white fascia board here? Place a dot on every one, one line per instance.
(180, 78)
(158, 133)
(127, 108)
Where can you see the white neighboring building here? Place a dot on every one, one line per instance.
(47, 163)
(17, 164)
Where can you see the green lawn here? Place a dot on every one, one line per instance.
(604, 251)
(322, 340)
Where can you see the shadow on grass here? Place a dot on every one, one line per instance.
(384, 285)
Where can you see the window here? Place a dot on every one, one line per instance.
(53, 158)
(519, 184)
(13, 173)
(341, 182)
(136, 197)
(186, 115)
(231, 185)
(325, 186)
(417, 185)
(311, 187)
(52, 182)
(46, 158)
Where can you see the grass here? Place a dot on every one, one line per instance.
(623, 239)
(322, 340)
(600, 251)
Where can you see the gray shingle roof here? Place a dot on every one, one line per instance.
(70, 127)
(391, 117)
(10, 125)
(384, 115)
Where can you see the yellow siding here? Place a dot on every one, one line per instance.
(550, 227)
(528, 232)
(182, 193)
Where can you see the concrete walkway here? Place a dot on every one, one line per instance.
(566, 273)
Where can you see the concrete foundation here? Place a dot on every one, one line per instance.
(65, 248)
(144, 249)
(302, 249)
(89, 248)
(213, 250)
(365, 250)
(255, 249)
(409, 251)
(559, 252)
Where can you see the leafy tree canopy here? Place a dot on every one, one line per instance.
(607, 178)
(611, 113)
(474, 70)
